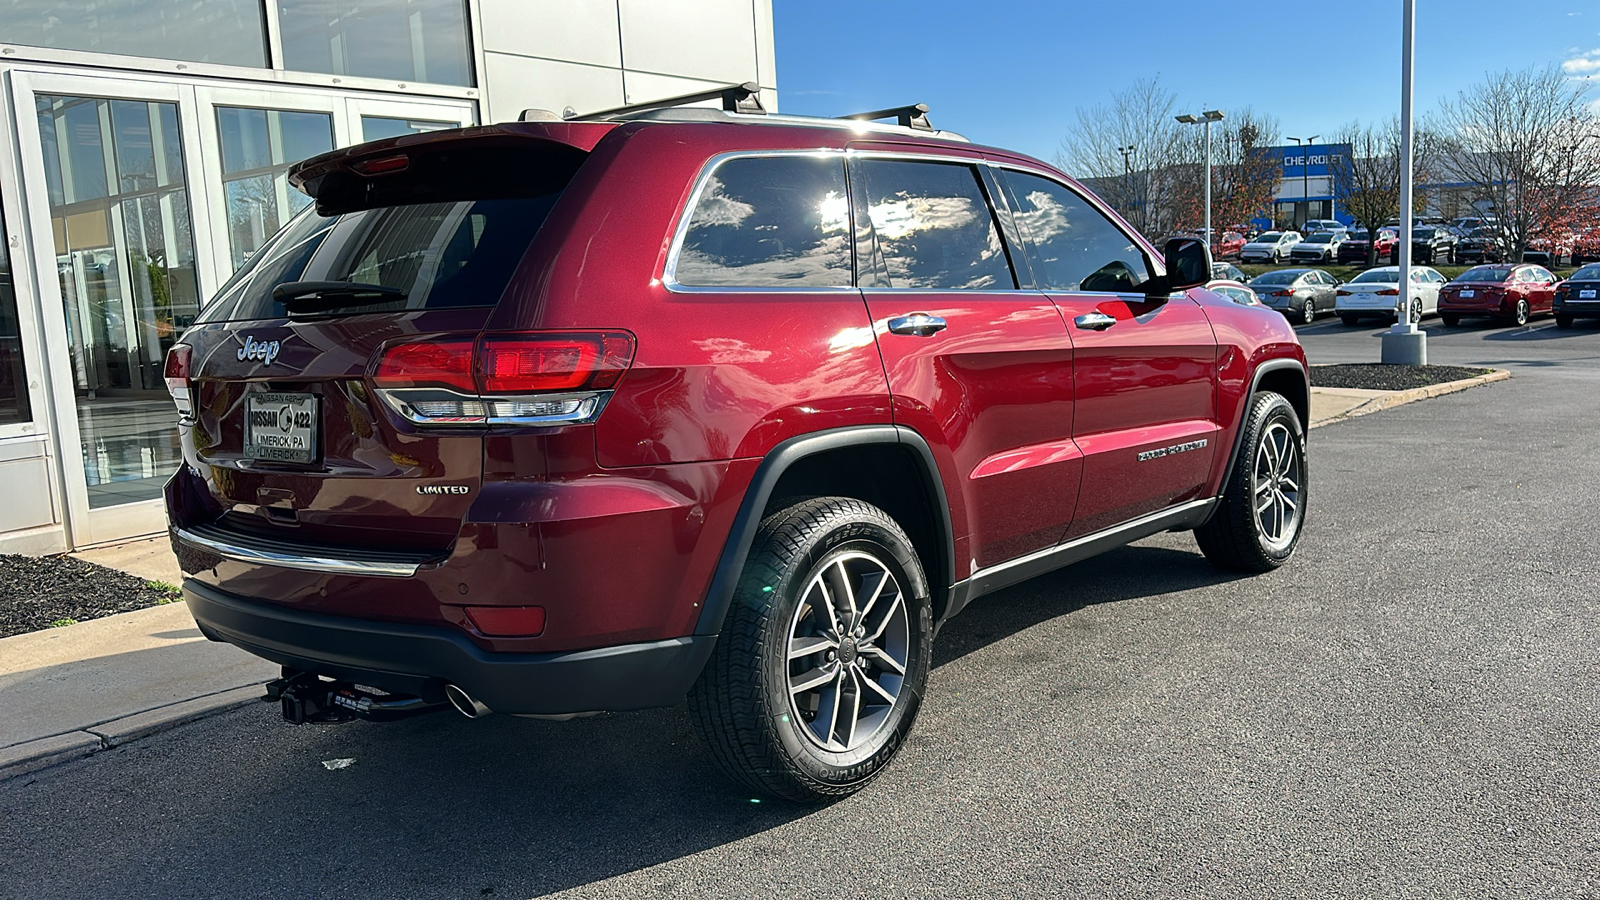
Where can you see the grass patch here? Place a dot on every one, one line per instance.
(170, 593)
(1345, 273)
(62, 623)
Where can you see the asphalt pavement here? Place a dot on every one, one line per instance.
(1407, 709)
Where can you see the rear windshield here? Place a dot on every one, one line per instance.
(440, 255)
(1495, 275)
(1381, 276)
(1279, 277)
(1587, 273)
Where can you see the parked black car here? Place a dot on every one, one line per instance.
(1579, 296)
(1433, 245)
(1300, 294)
(1481, 245)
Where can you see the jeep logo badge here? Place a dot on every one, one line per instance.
(266, 351)
(442, 489)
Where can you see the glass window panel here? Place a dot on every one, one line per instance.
(259, 146)
(229, 32)
(14, 404)
(125, 259)
(1074, 246)
(934, 226)
(398, 40)
(376, 128)
(772, 221)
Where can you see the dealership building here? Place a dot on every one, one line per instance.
(147, 144)
(1306, 188)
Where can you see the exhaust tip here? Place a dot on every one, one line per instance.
(465, 703)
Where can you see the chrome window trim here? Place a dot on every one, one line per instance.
(681, 227)
(307, 563)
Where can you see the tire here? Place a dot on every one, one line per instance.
(1350, 320)
(772, 739)
(1416, 311)
(1449, 320)
(1236, 537)
(1564, 321)
(1520, 315)
(1308, 312)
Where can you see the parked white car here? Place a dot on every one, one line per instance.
(1270, 246)
(1376, 293)
(1320, 247)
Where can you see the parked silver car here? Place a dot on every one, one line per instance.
(1270, 246)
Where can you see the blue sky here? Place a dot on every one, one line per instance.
(1012, 72)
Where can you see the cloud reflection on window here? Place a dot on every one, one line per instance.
(770, 222)
(934, 227)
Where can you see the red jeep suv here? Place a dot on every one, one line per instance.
(557, 417)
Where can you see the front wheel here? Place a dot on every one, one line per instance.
(820, 668)
(1262, 511)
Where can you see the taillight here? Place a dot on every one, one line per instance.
(1389, 292)
(1283, 293)
(179, 384)
(517, 378)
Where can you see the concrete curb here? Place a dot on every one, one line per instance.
(1398, 398)
(31, 756)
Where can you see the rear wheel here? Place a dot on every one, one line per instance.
(1449, 320)
(819, 671)
(1262, 511)
(1519, 316)
(1308, 312)
(1564, 321)
(1350, 320)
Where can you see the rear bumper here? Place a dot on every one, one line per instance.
(420, 660)
(1578, 310)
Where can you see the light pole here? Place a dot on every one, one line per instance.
(1405, 343)
(1305, 172)
(1209, 116)
(1127, 177)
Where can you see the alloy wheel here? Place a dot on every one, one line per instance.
(849, 642)
(1276, 483)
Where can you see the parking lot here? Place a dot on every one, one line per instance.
(1407, 709)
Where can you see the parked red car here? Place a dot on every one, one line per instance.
(547, 418)
(1228, 246)
(1511, 293)
(1354, 249)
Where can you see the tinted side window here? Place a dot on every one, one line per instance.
(1075, 248)
(769, 221)
(934, 226)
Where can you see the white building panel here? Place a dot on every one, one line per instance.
(656, 37)
(520, 82)
(584, 31)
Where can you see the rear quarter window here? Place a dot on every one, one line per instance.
(769, 222)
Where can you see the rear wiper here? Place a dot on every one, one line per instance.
(321, 296)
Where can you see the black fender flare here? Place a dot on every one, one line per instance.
(1271, 365)
(719, 596)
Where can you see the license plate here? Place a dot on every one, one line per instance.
(1364, 298)
(1469, 293)
(281, 427)
(1586, 294)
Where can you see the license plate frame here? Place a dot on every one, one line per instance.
(287, 420)
(1586, 294)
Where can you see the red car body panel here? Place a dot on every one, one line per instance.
(618, 528)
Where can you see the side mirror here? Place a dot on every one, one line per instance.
(1188, 264)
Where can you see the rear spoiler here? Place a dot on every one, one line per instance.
(518, 159)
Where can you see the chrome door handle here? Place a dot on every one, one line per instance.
(1095, 321)
(919, 324)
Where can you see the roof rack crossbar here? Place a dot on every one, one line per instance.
(740, 98)
(913, 116)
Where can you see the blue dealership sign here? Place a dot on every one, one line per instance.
(1301, 162)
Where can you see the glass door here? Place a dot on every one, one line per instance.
(112, 174)
(373, 120)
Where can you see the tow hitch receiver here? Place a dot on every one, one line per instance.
(306, 697)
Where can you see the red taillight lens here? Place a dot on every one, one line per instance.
(1283, 293)
(177, 368)
(446, 362)
(531, 363)
(1389, 292)
(507, 621)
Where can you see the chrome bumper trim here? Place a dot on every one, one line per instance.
(331, 565)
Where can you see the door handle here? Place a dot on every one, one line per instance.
(1095, 321)
(919, 324)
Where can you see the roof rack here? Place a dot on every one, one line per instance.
(913, 116)
(739, 98)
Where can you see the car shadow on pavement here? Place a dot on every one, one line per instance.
(438, 805)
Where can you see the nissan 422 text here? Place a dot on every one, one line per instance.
(558, 417)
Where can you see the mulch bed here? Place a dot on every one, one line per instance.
(1388, 377)
(39, 592)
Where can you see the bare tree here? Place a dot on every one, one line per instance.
(1138, 182)
(1366, 181)
(1526, 141)
(1244, 178)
